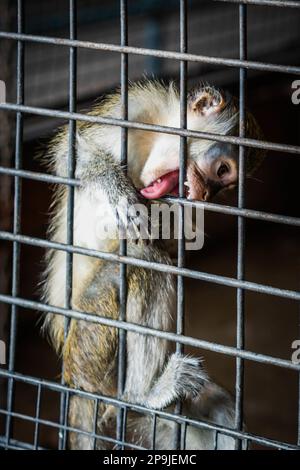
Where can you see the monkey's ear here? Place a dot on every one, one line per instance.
(206, 101)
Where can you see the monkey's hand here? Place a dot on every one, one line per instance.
(132, 218)
(104, 177)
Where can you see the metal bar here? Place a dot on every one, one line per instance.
(216, 440)
(293, 149)
(154, 427)
(182, 179)
(240, 300)
(298, 417)
(18, 445)
(253, 65)
(95, 422)
(37, 415)
(270, 3)
(70, 202)
(37, 176)
(123, 244)
(218, 208)
(16, 218)
(239, 283)
(183, 437)
(125, 413)
(229, 210)
(72, 429)
(142, 409)
(190, 273)
(186, 340)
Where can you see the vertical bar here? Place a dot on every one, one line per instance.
(37, 415)
(70, 205)
(240, 333)
(16, 218)
(183, 437)
(123, 244)
(65, 419)
(298, 437)
(95, 422)
(182, 178)
(154, 424)
(216, 437)
(125, 412)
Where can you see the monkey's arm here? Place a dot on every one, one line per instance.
(101, 175)
(101, 171)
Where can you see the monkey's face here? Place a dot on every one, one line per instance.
(213, 172)
(211, 166)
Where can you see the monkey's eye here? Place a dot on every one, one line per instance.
(222, 170)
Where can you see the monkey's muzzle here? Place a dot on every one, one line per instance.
(196, 186)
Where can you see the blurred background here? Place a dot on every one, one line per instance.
(272, 250)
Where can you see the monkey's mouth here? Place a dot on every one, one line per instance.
(169, 184)
(165, 184)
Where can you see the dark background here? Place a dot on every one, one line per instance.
(272, 250)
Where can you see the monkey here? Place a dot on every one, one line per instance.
(154, 378)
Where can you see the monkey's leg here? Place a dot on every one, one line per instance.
(213, 405)
(81, 418)
(90, 352)
(149, 380)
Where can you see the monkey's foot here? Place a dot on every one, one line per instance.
(190, 377)
(183, 377)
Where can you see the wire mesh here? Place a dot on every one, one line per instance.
(240, 283)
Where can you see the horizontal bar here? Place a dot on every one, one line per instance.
(231, 210)
(144, 330)
(219, 208)
(18, 445)
(269, 3)
(253, 65)
(253, 143)
(37, 176)
(12, 446)
(190, 273)
(63, 427)
(142, 409)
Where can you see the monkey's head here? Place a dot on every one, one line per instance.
(211, 166)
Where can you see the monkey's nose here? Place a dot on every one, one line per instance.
(208, 190)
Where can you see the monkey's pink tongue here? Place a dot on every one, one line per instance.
(166, 184)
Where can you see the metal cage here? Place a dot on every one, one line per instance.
(239, 283)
